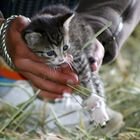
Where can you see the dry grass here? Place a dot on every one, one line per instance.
(122, 84)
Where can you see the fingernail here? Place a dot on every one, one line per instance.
(92, 60)
(71, 82)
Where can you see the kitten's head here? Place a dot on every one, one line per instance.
(48, 36)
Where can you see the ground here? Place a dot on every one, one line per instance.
(122, 85)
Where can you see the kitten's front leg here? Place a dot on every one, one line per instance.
(96, 105)
(94, 102)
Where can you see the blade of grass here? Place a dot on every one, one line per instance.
(77, 90)
(97, 34)
(60, 126)
(23, 117)
(21, 109)
(133, 129)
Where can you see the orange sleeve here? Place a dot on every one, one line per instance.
(7, 73)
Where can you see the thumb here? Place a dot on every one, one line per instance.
(66, 68)
(20, 23)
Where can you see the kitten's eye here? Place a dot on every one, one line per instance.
(38, 52)
(65, 47)
(51, 53)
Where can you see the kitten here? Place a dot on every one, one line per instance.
(59, 34)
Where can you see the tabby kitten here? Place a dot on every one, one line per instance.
(59, 34)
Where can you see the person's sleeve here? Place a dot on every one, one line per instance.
(124, 15)
(1, 15)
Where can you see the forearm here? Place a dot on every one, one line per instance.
(123, 14)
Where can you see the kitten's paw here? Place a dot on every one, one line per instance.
(97, 107)
(99, 116)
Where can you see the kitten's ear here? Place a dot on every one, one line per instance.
(68, 20)
(32, 38)
(63, 18)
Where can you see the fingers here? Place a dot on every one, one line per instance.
(46, 85)
(95, 66)
(70, 71)
(49, 89)
(66, 68)
(97, 54)
(20, 23)
(32, 67)
(49, 95)
(43, 71)
(17, 47)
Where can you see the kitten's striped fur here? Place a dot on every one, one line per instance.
(59, 34)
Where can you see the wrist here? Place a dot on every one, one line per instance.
(1, 21)
(3, 48)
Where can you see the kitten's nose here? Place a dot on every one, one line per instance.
(61, 60)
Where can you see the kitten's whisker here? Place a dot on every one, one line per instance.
(69, 63)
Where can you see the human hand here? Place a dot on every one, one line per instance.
(96, 56)
(53, 83)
